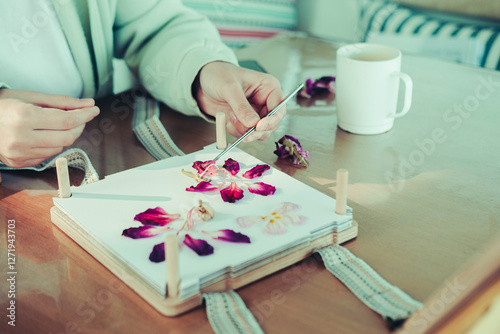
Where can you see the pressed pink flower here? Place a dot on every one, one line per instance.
(228, 173)
(276, 222)
(232, 166)
(153, 220)
(199, 246)
(202, 186)
(146, 231)
(261, 188)
(201, 166)
(156, 216)
(158, 253)
(256, 171)
(201, 212)
(228, 235)
(232, 193)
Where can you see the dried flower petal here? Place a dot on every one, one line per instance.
(156, 216)
(200, 166)
(199, 246)
(289, 147)
(285, 207)
(202, 186)
(232, 193)
(248, 221)
(256, 171)
(228, 235)
(317, 87)
(232, 166)
(140, 232)
(301, 157)
(158, 253)
(205, 211)
(261, 188)
(292, 219)
(282, 151)
(274, 227)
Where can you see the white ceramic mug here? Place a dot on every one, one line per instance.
(367, 87)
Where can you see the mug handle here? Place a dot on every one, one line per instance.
(408, 93)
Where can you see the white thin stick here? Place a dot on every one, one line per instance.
(63, 178)
(172, 258)
(342, 179)
(220, 129)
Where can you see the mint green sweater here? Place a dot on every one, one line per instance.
(164, 43)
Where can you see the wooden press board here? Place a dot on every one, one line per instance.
(96, 214)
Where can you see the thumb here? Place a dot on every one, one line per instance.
(242, 109)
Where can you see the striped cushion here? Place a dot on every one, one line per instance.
(386, 18)
(244, 22)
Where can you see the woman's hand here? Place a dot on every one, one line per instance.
(36, 126)
(245, 96)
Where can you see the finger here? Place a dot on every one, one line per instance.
(272, 122)
(258, 135)
(32, 162)
(56, 139)
(233, 131)
(45, 153)
(24, 163)
(56, 119)
(241, 107)
(57, 101)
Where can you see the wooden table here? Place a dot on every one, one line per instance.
(425, 194)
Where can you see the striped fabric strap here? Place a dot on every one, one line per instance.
(76, 159)
(227, 313)
(148, 128)
(387, 300)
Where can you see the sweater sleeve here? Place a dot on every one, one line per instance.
(166, 44)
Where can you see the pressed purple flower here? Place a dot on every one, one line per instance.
(232, 193)
(256, 171)
(156, 216)
(158, 253)
(289, 147)
(146, 231)
(261, 188)
(202, 186)
(228, 235)
(316, 87)
(199, 246)
(232, 166)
